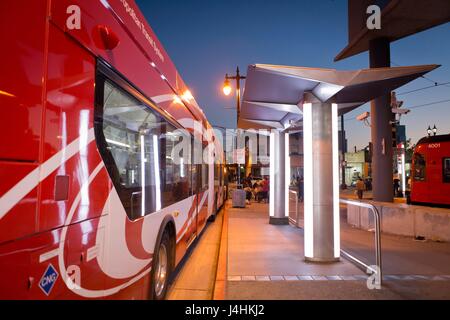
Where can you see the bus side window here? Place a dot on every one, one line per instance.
(137, 146)
(446, 170)
(419, 167)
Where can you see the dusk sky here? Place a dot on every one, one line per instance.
(207, 39)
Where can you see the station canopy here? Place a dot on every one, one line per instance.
(399, 19)
(274, 95)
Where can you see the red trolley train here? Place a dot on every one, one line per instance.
(430, 176)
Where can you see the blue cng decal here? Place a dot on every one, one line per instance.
(48, 280)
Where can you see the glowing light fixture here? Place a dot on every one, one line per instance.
(272, 174)
(143, 183)
(227, 87)
(187, 96)
(177, 100)
(336, 207)
(157, 172)
(308, 180)
(119, 144)
(4, 93)
(287, 179)
(182, 173)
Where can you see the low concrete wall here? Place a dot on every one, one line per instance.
(433, 224)
(398, 219)
(404, 220)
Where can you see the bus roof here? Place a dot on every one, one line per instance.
(139, 50)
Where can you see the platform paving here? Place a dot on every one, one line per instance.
(266, 262)
(256, 248)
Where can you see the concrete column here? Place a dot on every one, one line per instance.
(321, 208)
(278, 179)
(381, 115)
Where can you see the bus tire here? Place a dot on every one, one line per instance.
(161, 268)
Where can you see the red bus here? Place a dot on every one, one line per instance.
(430, 180)
(96, 201)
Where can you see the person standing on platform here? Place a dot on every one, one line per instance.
(396, 186)
(300, 187)
(265, 190)
(360, 188)
(248, 188)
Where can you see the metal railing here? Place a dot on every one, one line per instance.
(377, 238)
(294, 219)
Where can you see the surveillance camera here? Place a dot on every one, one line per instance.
(363, 117)
(400, 111)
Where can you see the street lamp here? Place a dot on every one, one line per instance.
(435, 130)
(227, 86)
(227, 89)
(429, 131)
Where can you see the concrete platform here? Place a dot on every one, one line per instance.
(252, 260)
(401, 255)
(257, 248)
(266, 262)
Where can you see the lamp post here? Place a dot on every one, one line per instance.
(434, 130)
(227, 89)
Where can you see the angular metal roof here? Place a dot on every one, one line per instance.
(400, 18)
(274, 95)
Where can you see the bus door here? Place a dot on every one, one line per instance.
(193, 213)
(202, 195)
(217, 186)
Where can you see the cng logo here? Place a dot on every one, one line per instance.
(48, 280)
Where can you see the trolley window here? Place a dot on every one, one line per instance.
(138, 147)
(419, 167)
(446, 171)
